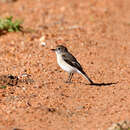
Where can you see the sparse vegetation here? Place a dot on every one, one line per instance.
(124, 125)
(3, 87)
(8, 25)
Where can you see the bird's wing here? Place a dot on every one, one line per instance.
(71, 60)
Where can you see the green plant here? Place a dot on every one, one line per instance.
(3, 87)
(6, 24)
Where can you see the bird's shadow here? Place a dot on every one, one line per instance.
(99, 84)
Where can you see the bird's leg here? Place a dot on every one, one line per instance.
(69, 78)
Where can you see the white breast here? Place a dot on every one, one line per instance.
(65, 66)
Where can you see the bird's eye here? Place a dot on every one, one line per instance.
(58, 48)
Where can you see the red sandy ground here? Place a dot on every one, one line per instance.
(98, 35)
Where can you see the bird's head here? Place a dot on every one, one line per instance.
(60, 49)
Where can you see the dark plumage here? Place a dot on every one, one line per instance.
(71, 60)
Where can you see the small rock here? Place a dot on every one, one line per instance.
(42, 41)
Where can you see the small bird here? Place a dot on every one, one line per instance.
(69, 63)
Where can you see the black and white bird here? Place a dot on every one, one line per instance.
(69, 63)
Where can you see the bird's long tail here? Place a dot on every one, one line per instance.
(86, 77)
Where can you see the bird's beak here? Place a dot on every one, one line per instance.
(53, 49)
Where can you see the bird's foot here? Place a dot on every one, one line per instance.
(69, 82)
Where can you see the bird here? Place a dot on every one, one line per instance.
(69, 63)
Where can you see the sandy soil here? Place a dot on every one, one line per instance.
(98, 35)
